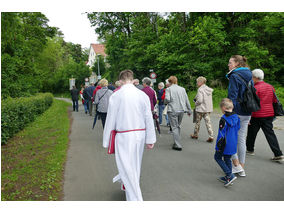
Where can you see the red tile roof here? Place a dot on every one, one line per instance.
(99, 49)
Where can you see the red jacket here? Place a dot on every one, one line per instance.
(164, 95)
(267, 98)
(95, 91)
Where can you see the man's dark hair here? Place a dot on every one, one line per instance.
(126, 75)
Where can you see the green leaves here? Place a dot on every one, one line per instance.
(189, 45)
(18, 112)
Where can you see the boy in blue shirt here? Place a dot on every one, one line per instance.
(227, 140)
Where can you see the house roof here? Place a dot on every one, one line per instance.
(99, 49)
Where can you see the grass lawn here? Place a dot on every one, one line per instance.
(33, 161)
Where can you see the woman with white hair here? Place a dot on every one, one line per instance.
(263, 118)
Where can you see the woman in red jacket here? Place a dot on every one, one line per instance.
(263, 118)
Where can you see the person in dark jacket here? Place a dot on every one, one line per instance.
(89, 92)
(229, 126)
(238, 66)
(74, 96)
(86, 98)
(150, 92)
(111, 87)
(263, 118)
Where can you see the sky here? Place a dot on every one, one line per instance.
(74, 25)
(69, 17)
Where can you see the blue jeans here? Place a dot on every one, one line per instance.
(226, 164)
(75, 105)
(86, 106)
(161, 109)
(167, 119)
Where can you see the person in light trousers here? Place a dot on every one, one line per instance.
(203, 107)
(178, 104)
(238, 66)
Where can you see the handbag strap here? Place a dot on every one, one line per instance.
(103, 95)
(275, 95)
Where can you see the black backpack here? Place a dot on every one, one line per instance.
(250, 101)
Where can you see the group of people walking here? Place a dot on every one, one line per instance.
(128, 112)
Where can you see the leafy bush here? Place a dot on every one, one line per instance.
(280, 93)
(16, 113)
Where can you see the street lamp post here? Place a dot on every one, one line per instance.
(99, 75)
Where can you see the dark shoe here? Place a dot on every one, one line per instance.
(177, 148)
(222, 179)
(85, 112)
(229, 180)
(194, 136)
(210, 140)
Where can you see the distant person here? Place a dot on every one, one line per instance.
(203, 107)
(74, 96)
(150, 92)
(98, 87)
(129, 113)
(90, 91)
(117, 86)
(263, 118)
(86, 98)
(136, 83)
(229, 126)
(83, 101)
(102, 100)
(166, 108)
(178, 104)
(111, 87)
(239, 72)
(161, 104)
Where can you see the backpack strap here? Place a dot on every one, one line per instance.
(243, 80)
(275, 95)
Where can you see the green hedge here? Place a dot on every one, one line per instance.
(16, 113)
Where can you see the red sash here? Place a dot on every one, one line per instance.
(112, 139)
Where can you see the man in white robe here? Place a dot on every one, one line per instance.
(129, 109)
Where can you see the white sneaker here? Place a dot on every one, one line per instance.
(237, 169)
(242, 174)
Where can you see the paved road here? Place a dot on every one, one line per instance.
(168, 175)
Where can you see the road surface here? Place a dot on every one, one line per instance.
(169, 175)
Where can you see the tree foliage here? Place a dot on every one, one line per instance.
(189, 45)
(35, 57)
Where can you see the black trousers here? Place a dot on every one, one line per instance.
(103, 118)
(267, 127)
(75, 105)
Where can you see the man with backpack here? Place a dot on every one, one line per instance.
(239, 78)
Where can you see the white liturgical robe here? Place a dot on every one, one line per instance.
(129, 109)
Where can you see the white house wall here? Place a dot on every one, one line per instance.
(92, 57)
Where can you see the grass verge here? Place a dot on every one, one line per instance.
(33, 161)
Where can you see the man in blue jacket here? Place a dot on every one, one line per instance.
(89, 92)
